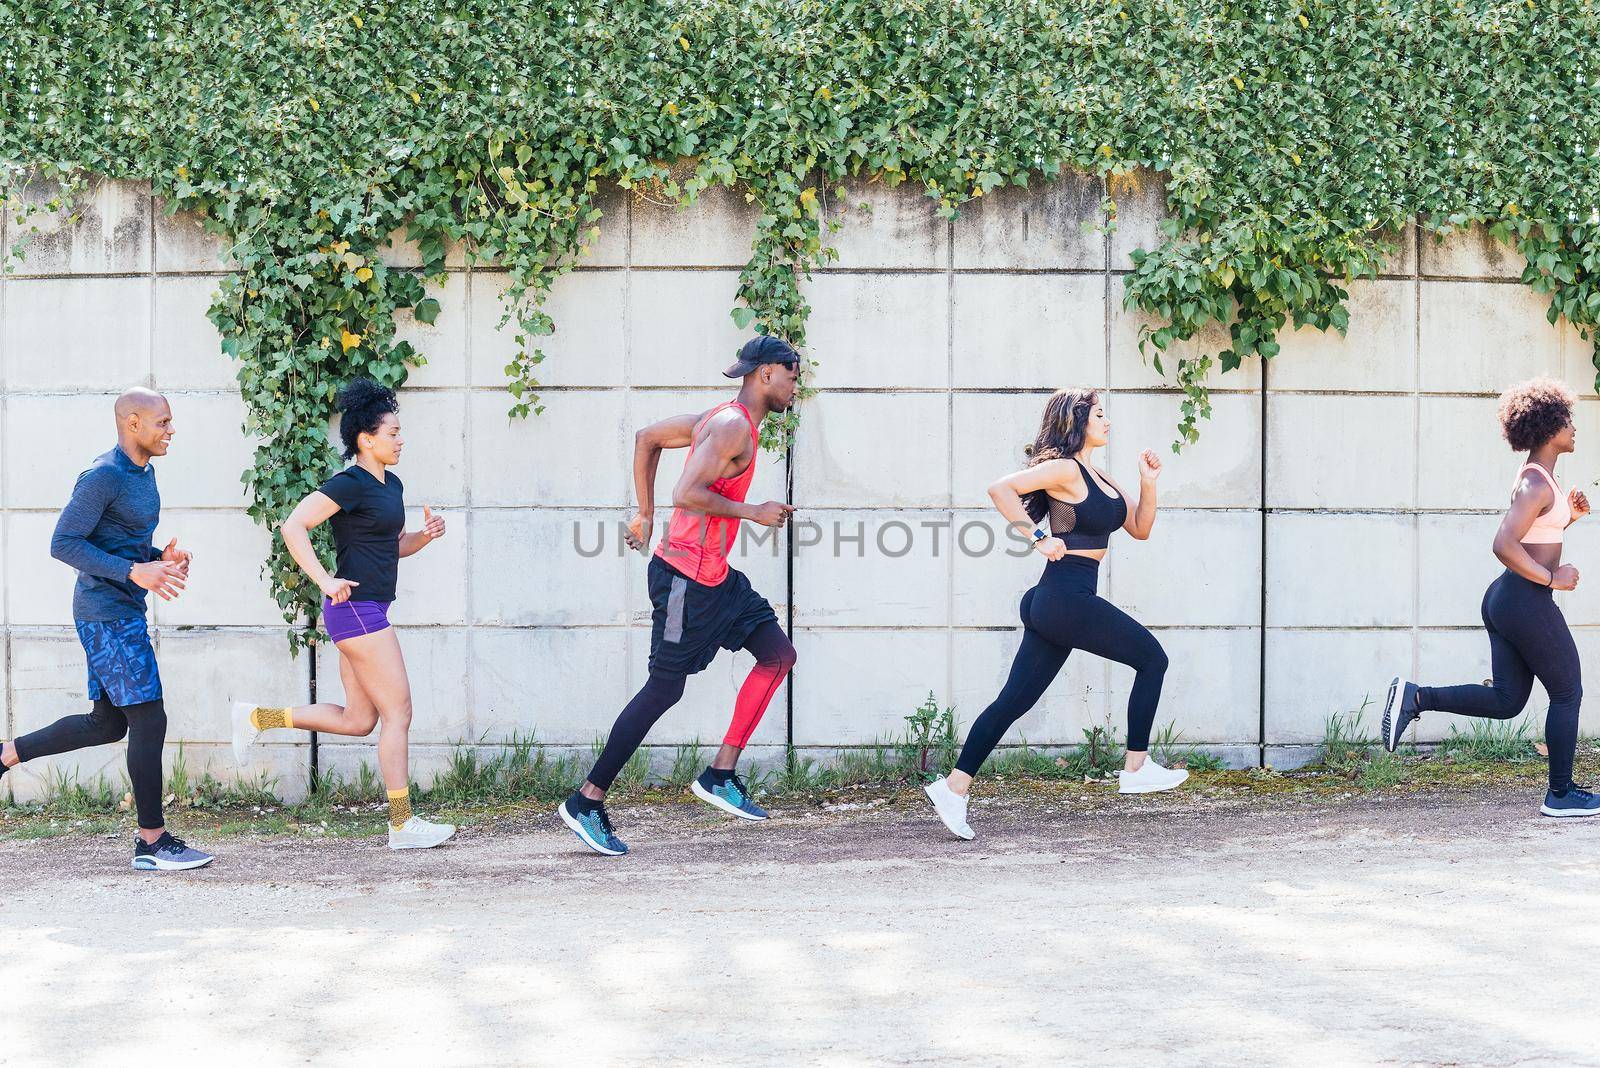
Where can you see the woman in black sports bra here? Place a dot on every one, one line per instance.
(1082, 506)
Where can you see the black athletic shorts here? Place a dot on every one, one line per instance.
(692, 621)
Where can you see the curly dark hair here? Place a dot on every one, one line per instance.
(362, 405)
(1533, 412)
(1061, 433)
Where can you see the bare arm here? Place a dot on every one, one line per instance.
(316, 509)
(674, 432)
(1579, 502)
(432, 530)
(724, 441)
(1142, 516)
(1532, 498)
(1007, 494)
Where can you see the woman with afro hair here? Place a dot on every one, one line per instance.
(1528, 637)
(365, 506)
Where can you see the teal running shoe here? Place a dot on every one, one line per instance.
(592, 826)
(730, 795)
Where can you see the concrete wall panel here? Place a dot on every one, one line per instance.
(937, 345)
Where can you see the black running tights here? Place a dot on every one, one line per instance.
(773, 653)
(1059, 615)
(1528, 639)
(145, 727)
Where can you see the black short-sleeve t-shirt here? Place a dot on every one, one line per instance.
(366, 530)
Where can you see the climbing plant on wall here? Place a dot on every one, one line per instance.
(1296, 139)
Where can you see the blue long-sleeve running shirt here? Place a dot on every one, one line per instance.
(103, 531)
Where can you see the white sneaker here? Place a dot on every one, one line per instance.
(418, 833)
(951, 807)
(244, 732)
(1150, 778)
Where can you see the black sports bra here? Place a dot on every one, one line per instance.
(1089, 523)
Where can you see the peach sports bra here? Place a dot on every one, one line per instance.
(1550, 528)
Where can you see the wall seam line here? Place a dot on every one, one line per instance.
(1261, 643)
(950, 453)
(469, 524)
(1105, 341)
(1416, 456)
(150, 354)
(5, 520)
(629, 635)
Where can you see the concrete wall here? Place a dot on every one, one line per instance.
(1345, 498)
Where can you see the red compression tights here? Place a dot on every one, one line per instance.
(774, 657)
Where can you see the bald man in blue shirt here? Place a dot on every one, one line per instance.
(105, 533)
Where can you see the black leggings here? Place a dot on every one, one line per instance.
(1060, 614)
(1528, 639)
(774, 657)
(144, 725)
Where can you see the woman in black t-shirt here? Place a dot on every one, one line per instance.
(365, 506)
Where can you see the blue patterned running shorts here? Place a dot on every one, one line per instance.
(122, 663)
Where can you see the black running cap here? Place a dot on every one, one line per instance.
(763, 348)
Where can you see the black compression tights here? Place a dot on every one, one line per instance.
(774, 657)
(144, 725)
(1060, 614)
(1528, 639)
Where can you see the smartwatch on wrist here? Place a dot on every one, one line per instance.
(1039, 534)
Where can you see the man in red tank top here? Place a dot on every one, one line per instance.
(701, 604)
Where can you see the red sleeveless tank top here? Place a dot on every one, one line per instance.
(696, 546)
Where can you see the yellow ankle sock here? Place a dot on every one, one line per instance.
(266, 719)
(399, 807)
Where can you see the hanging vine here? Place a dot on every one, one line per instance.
(1297, 140)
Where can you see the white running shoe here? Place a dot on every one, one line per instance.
(951, 807)
(1149, 779)
(244, 732)
(418, 833)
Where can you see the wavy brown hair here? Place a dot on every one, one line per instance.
(1061, 434)
(1533, 412)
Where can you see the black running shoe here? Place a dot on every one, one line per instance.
(1399, 710)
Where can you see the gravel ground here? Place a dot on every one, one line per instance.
(1454, 928)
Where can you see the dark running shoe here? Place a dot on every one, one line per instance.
(730, 795)
(1575, 802)
(167, 854)
(592, 826)
(1399, 711)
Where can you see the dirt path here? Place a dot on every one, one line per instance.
(1447, 930)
